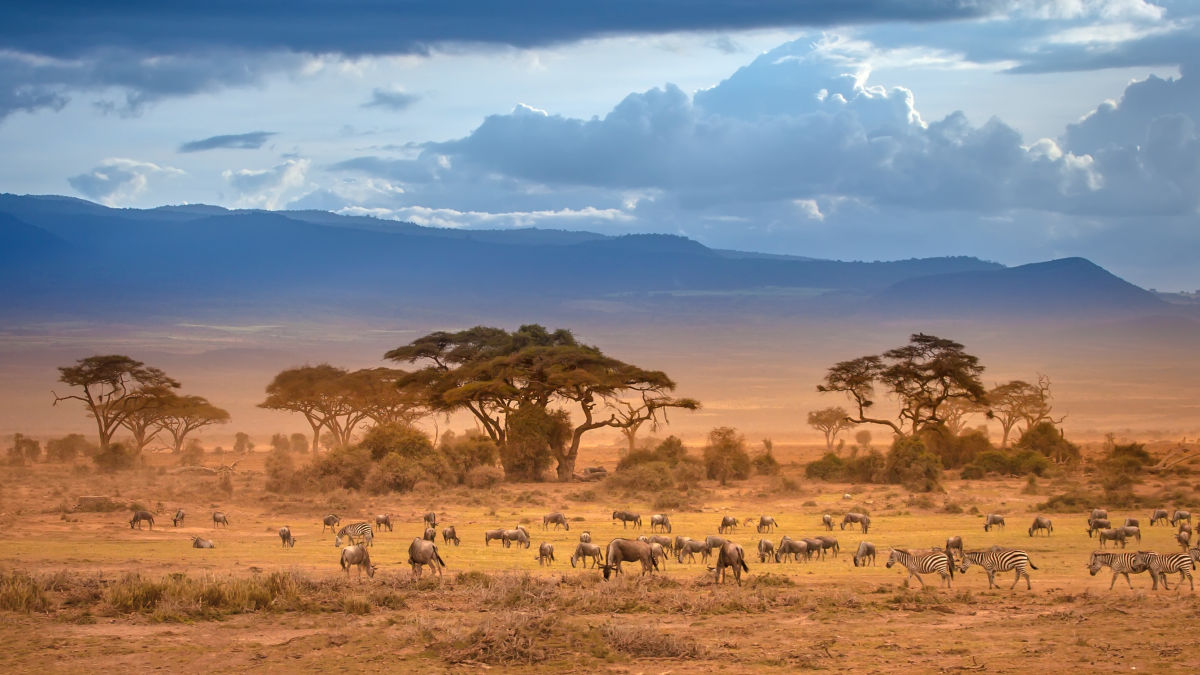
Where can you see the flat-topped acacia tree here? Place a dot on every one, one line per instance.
(113, 388)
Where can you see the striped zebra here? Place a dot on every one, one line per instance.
(355, 531)
(925, 562)
(1162, 564)
(1000, 561)
(1119, 563)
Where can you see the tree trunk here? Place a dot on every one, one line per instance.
(566, 466)
(316, 446)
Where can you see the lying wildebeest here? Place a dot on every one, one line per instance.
(1180, 515)
(1041, 524)
(518, 535)
(585, 538)
(863, 520)
(331, 521)
(285, 535)
(586, 550)
(430, 534)
(450, 535)
(865, 550)
(1132, 532)
(556, 519)
(1097, 524)
(766, 523)
(732, 556)
(177, 519)
(197, 542)
(993, 520)
(792, 547)
(357, 555)
(660, 521)
(827, 521)
(954, 544)
(430, 519)
(627, 517)
(628, 550)
(728, 524)
(383, 520)
(1111, 535)
(422, 552)
(1158, 517)
(545, 554)
(766, 550)
(139, 516)
(489, 535)
(690, 548)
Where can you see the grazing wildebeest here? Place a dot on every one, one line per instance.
(586, 550)
(728, 524)
(1097, 524)
(690, 548)
(422, 552)
(993, 520)
(1000, 561)
(1098, 514)
(815, 547)
(1132, 522)
(1180, 515)
(430, 519)
(430, 534)
(1041, 524)
(355, 531)
(139, 516)
(555, 519)
(545, 554)
(331, 521)
(862, 519)
(660, 521)
(489, 535)
(1158, 517)
(792, 547)
(766, 523)
(828, 542)
(713, 541)
(627, 517)
(827, 521)
(1119, 563)
(1132, 531)
(865, 550)
(665, 542)
(678, 543)
(766, 549)
(383, 520)
(1162, 564)
(732, 556)
(177, 519)
(518, 535)
(197, 542)
(1186, 527)
(357, 555)
(1111, 535)
(585, 538)
(659, 553)
(924, 562)
(449, 535)
(954, 543)
(1184, 538)
(628, 550)
(285, 535)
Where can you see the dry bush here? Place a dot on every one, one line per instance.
(642, 641)
(20, 592)
(484, 477)
(506, 639)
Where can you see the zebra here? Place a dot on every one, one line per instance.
(923, 563)
(1041, 523)
(1158, 517)
(992, 520)
(1000, 561)
(1119, 563)
(1162, 564)
(331, 521)
(177, 520)
(355, 531)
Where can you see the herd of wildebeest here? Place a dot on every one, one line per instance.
(652, 550)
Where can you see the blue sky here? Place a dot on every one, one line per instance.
(1009, 130)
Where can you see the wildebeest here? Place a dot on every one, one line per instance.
(665, 542)
(1185, 527)
(422, 552)
(628, 550)
(357, 555)
(712, 541)
(430, 519)
(586, 550)
(827, 521)
(331, 521)
(1132, 522)
(766, 523)
(815, 547)
(489, 535)
(1132, 531)
(1111, 535)
(219, 518)
(792, 547)
(1180, 515)
(660, 521)
(556, 519)
(679, 539)
(1041, 524)
(177, 519)
(585, 538)
(139, 516)
(1158, 517)
(730, 556)
(766, 550)
(954, 543)
(285, 535)
(828, 542)
(518, 535)
(862, 519)
(383, 520)
(728, 524)
(1097, 524)
(691, 547)
(197, 542)
(993, 520)
(450, 535)
(545, 554)
(430, 534)
(659, 553)
(1184, 538)
(865, 550)
(1098, 514)
(627, 517)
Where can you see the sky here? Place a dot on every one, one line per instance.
(1010, 130)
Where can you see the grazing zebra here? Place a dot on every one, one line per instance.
(993, 520)
(1159, 517)
(450, 535)
(1000, 561)
(1195, 553)
(827, 521)
(331, 521)
(1043, 524)
(1162, 564)
(355, 531)
(139, 516)
(285, 534)
(865, 550)
(177, 519)
(1181, 515)
(923, 563)
(1119, 563)
(384, 520)
(219, 518)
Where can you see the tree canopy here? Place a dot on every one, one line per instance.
(113, 388)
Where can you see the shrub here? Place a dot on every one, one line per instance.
(671, 452)
(956, 451)
(533, 434)
(19, 592)
(299, 443)
(281, 471)
(396, 473)
(225, 483)
(689, 471)
(911, 465)
(484, 477)
(69, 447)
(1048, 440)
(400, 439)
(342, 467)
(114, 458)
(468, 452)
(651, 476)
(279, 442)
(765, 464)
(830, 467)
(192, 455)
(725, 456)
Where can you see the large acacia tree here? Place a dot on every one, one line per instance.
(921, 376)
(494, 374)
(113, 388)
(182, 415)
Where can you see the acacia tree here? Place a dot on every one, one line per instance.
(1018, 401)
(185, 414)
(831, 422)
(145, 415)
(921, 376)
(304, 390)
(113, 388)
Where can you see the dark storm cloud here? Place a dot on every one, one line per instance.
(248, 141)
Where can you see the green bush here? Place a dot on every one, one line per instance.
(830, 467)
(689, 471)
(281, 471)
(649, 476)
(533, 435)
(400, 439)
(466, 453)
(397, 473)
(725, 456)
(114, 458)
(765, 464)
(484, 476)
(910, 464)
(1048, 440)
(69, 447)
(671, 451)
(340, 468)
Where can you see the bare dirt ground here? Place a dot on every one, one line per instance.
(102, 596)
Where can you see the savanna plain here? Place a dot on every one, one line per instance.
(83, 591)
